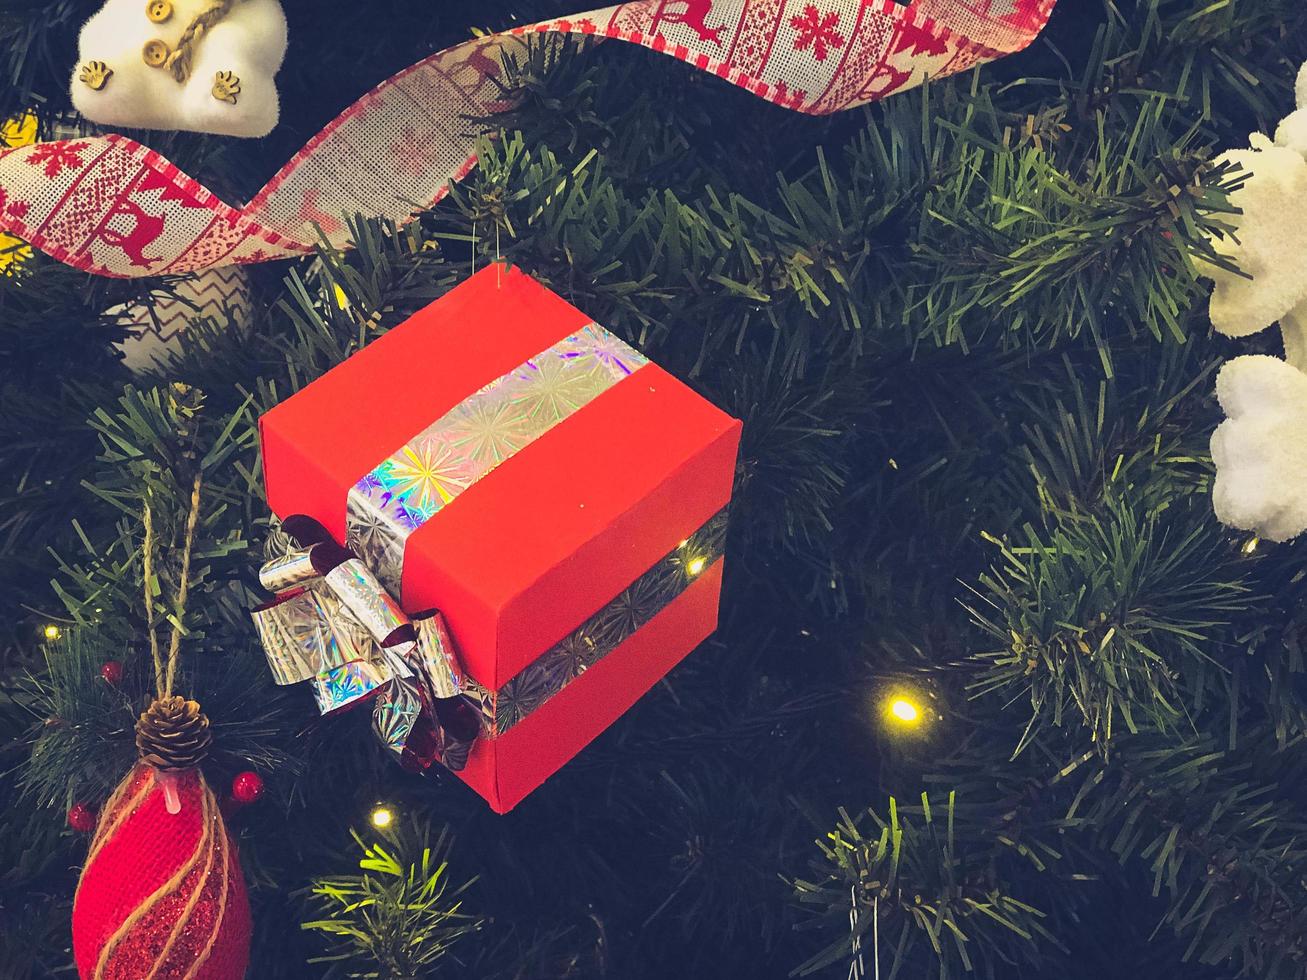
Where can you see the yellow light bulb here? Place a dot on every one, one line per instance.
(52, 631)
(382, 816)
(696, 565)
(1249, 546)
(905, 711)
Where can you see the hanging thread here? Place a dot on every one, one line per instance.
(165, 672)
(857, 971)
(875, 934)
(148, 573)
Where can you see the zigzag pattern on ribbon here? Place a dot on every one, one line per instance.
(213, 295)
(111, 206)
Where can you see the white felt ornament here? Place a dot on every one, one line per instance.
(1260, 451)
(1292, 131)
(1269, 241)
(201, 65)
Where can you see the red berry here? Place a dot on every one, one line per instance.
(246, 787)
(81, 818)
(112, 672)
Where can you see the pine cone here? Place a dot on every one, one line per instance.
(173, 734)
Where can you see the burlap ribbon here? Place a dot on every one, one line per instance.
(109, 205)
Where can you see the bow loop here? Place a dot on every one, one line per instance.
(333, 624)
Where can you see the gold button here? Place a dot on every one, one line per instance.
(158, 10)
(155, 53)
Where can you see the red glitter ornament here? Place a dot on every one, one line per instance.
(161, 895)
(112, 672)
(81, 818)
(246, 788)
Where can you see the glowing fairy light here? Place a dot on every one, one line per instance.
(901, 709)
(905, 711)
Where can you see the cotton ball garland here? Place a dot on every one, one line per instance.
(201, 65)
(1269, 242)
(1260, 451)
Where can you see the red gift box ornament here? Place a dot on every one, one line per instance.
(560, 498)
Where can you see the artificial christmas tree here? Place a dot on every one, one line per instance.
(993, 693)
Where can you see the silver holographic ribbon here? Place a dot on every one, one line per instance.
(307, 633)
(288, 570)
(311, 634)
(603, 632)
(316, 629)
(331, 631)
(365, 598)
(413, 483)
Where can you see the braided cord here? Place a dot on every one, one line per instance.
(183, 55)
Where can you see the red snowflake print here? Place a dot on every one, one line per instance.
(817, 31)
(365, 103)
(56, 156)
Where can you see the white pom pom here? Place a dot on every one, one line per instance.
(246, 47)
(1260, 451)
(1292, 132)
(1300, 89)
(1269, 244)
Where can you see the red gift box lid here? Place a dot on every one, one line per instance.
(544, 540)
